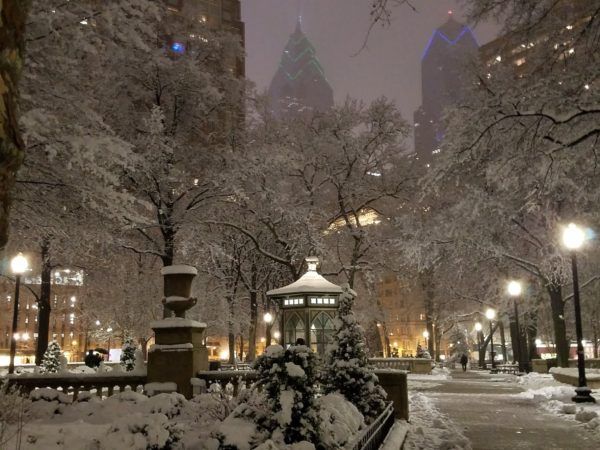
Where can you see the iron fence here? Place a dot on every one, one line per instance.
(372, 437)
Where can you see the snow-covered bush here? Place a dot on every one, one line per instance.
(51, 361)
(128, 355)
(282, 407)
(348, 371)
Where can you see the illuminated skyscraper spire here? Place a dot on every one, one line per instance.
(442, 82)
(299, 85)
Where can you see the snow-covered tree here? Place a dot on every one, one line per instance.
(51, 362)
(348, 370)
(288, 379)
(128, 355)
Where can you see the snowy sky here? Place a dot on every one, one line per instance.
(389, 66)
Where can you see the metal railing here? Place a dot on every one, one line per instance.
(373, 436)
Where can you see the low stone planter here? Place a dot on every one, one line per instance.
(570, 376)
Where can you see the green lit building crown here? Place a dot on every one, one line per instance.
(299, 85)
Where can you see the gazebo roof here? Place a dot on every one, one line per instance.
(309, 283)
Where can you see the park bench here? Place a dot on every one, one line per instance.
(508, 368)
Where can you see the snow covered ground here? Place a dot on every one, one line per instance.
(430, 429)
(555, 397)
(130, 420)
(429, 381)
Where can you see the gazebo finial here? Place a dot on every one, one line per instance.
(312, 262)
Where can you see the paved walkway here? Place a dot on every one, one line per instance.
(491, 419)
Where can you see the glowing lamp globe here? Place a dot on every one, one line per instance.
(490, 314)
(514, 288)
(426, 334)
(268, 318)
(19, 264)
(277, 335)
(478, 327)
(573, 237)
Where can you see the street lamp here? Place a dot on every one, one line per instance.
(514, 290)
(268, 319)
(490, 314)
(426, 336)
(573, 238)
(18, 266)
(277, 335)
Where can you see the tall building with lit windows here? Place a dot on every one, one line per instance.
(299, 85)
(443, 76)
(222, 15)
(69, 322)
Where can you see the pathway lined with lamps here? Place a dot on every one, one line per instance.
(492, 418)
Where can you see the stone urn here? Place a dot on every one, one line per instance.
(178, 288)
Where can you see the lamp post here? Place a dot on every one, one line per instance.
(573, 238)
(268, 319)
(18, 266)
(490, 314)
(514, 290)
(426, 336)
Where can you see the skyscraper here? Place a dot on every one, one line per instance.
(299, 85)
(215, 14)
(442, 75)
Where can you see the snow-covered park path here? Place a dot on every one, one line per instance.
(485, 410)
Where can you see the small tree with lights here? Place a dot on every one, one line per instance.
(128, 355)
(51, 359)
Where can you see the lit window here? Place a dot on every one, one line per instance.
(178, 47)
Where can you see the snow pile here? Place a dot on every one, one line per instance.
(546, 392)
(430, 429)
(340, 420)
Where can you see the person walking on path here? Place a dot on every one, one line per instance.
(463, 361)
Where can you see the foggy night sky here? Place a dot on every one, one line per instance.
(390, 65)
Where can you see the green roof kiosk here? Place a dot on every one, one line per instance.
(308, 307)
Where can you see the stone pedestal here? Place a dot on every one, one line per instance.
(178, 354)
(394, 383)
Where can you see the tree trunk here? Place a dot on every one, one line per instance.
(438, 343)
(44, 303)
(253, 316)
(12, 44)
(231, 334)
(241, 346)
(531, 332)
(502, 341)
(558, 319)
(482, 346)
(144, 346)
(426, 281)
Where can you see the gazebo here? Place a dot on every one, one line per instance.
(307, 308)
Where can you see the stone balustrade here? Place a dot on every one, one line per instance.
(103, 383)
(412, 365)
